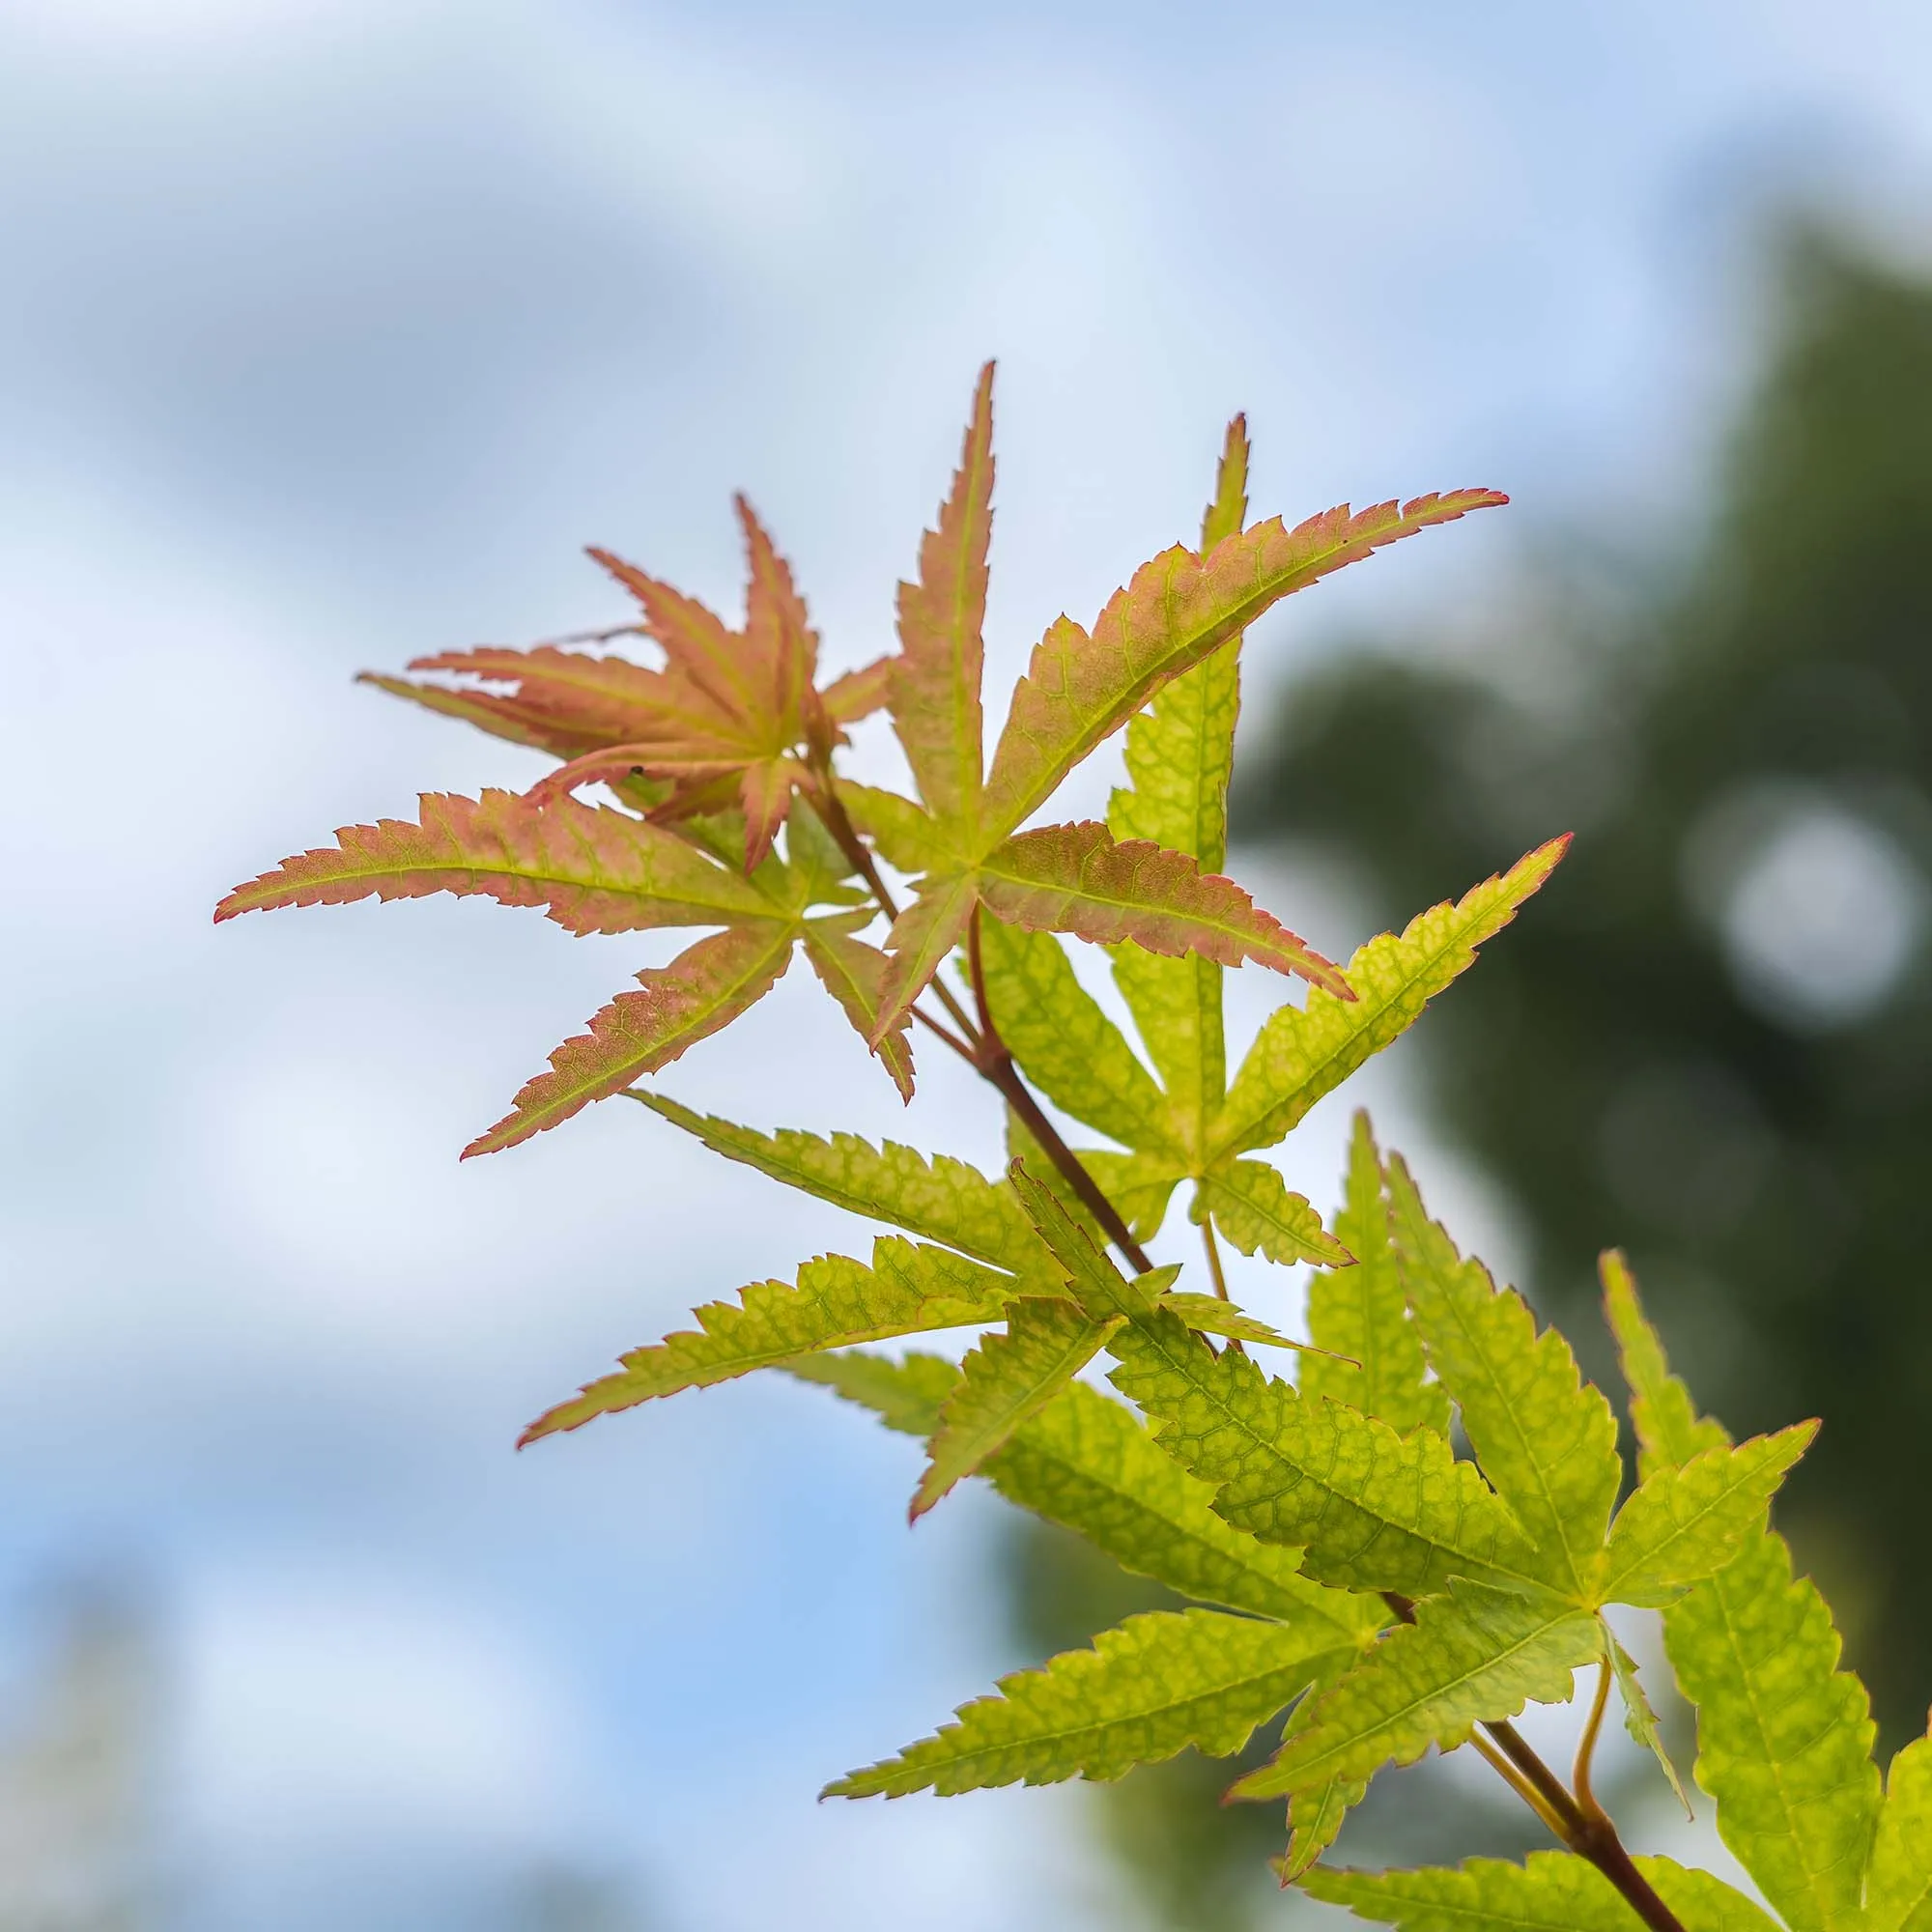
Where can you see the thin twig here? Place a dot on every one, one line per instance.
(602, 636)
(997, 1066)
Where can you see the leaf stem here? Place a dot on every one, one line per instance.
(1586, 1746)
(1214, 1269)
(938, 1031)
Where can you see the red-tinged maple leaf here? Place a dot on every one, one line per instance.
(854, 974)
(1080, 879)
(965, 841)
(1080, 688)
(732, 720)
(704, 989)
(565, 703)
(934, 682)
(594, 869)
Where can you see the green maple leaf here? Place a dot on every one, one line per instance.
(1301, 1054)
(1683, 1525)
(1151, 1688)
(1640, 1719)
(1898, 1889)
(939, 1199)
(1006, 1380)
(1373, 1510)
(1361, 1312)
(1550, 1891)
(1474, 1656)
(1317, 1814)
(1088, 1463)
(1187, 1130)
(908, 1289)
(1669, 1431)
(1784, 1737)
(1544, 1438)
(1547, 1442)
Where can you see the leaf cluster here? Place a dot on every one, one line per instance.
(1350, 1573)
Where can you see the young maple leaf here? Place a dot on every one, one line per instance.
(1179, 1122)
(733, 717)
(964, 838)
(595, 869)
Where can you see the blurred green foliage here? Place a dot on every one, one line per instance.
(1710, 1042)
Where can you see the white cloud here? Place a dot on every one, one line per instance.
(322, 1704)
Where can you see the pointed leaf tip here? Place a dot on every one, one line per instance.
(935, 682)
(704, 989)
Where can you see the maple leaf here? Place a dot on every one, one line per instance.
(908, 1289)
(1187, 1126)
(1474, 1656)
(1550, 1891)
(734, 717)
(564, 702)
(1304, 1053)
(704, 989)
(1684, 1524)
(1543, 1437)
(1006, 1380)
(1784, 1737)
(1376, 1364)
(1669, 1431)
(1898, 1887)
(1360, 1314)
(940, 1199)
(1641, 1718)
(1252, 1205)
(1080, 688)
(854, 974)
(1374, 1510)
(1088, 1463)
(934, 684)
(594, 869)
(1152, 1686)
(1210, 1315)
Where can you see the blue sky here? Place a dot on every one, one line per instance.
(331, 330)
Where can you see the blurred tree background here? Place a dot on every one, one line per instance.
(1710, 1042)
